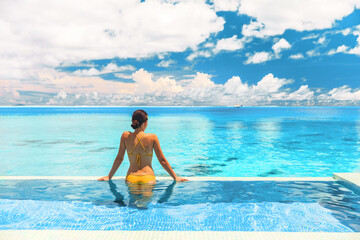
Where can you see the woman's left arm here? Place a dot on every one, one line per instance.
(118, 160)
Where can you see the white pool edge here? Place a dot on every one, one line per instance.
(174, 235)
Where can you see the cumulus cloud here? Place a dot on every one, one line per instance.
(110, 68)
(297, 56)
(312, 53)
(346, 31)
(229, 44)
(311, 36)
(276, 16)
(226, 5)
(356, 49)
(344, 93)
(199, 89)
(197, 54)
(280, 45)
(320, 41)
(259, 57)
(340, 49)
(303, 93)
(165, 63)
(145, 83)
(34, 34)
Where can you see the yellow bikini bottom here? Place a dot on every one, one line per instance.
(140, 179)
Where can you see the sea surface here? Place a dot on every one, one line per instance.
(197, 141)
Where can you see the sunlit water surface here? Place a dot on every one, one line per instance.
(197, 141)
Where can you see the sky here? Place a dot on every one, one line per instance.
(180, 53)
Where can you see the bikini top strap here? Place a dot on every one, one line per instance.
(136, 144)
(141, 143)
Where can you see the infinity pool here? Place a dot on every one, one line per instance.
(292, 206)
(197, 141)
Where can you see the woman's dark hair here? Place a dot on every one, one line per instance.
(138, 118)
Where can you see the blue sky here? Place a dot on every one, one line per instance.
(180, 52)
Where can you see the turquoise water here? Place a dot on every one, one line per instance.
(197, 141)
(293, 206)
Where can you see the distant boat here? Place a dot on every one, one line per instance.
(237, 105)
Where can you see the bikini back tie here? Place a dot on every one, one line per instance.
(138, 156)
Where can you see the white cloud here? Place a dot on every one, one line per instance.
(122, 75)
(37, 33)
(303, 93)
(259, 57)
(209, 45)
(276, 16)
(229, 44)
(297, 56)
(312, 53)
(320, 41)
(269, 83)
(311, 36)
(346, 31)
(344, 93)
(110, 68)
(145, 83)
(197, 54)
(226, 5)
(356, 50)
(165, 63)
(235, 86)
(62, 89)
(253, 29)
(281, 45)
(61, 95)
(340, 49)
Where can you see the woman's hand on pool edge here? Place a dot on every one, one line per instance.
(106, 178)
(180, 179)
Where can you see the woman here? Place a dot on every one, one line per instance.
(140, 147)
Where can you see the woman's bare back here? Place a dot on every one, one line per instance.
(140, 151)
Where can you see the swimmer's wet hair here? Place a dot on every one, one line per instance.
(138, 118)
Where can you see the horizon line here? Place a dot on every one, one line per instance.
(112, 106)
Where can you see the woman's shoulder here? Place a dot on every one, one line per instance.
(151, 136)
(125, 134)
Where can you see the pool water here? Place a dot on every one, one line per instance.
(293, 206)
(197, 141)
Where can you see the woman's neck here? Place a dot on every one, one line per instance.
(137, 131)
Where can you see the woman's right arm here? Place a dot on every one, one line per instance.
(164, 163)
(118, 160)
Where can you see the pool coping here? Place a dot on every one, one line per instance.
(349, 180)
(174, 235)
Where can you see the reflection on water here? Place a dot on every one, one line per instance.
(271, 173)
(268, 130)
(102, 149)
(343, 204)
(140, 195)
(203, 169)
(119, 198)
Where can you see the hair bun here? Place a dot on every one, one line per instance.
(135, 124)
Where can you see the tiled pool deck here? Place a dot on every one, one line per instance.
(350, 180)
